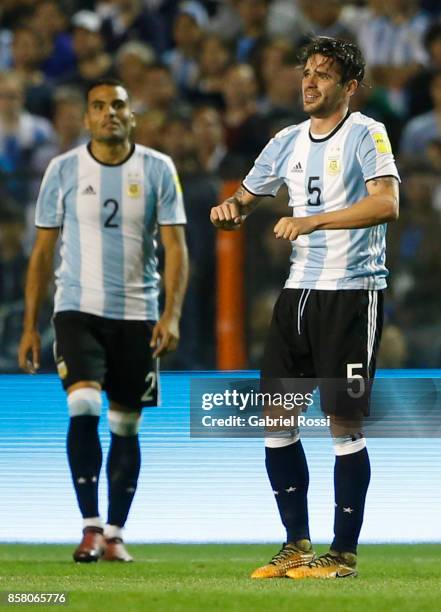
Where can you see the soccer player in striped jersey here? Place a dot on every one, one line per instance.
(343, 189)
(106, 201)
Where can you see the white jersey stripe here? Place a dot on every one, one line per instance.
(134, 225)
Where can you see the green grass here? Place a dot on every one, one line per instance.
(174, 578)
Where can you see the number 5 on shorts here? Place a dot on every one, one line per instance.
(355, 378)
(150, 381)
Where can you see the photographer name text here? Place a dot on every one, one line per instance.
(265, 421)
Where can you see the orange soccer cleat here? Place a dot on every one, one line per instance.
(331, 565)
(292, 554)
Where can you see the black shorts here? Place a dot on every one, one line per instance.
(332, 336)
(114, 353)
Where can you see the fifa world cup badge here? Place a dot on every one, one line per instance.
(177, 183)
(382, 143)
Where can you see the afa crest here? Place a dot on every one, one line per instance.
(333, 166)
(134, 189)
(134, 185)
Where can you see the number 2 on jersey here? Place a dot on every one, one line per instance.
(113, 207)
(314, 191)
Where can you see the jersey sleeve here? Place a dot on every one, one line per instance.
(49, 210)
(375, 154)
(262, 180)
(170, 204)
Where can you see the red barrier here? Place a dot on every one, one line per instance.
(230, 300)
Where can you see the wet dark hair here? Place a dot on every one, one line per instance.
(105, 81)
(345, 52)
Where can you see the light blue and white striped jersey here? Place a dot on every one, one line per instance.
(323, 176)
(109, 217)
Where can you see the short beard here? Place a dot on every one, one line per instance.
(112, 140)
(322, 111)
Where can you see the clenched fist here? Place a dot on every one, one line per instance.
(227, 216)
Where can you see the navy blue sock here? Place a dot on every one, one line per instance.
(123, 465)
(85, 458)
(289, 477)
(352, 474)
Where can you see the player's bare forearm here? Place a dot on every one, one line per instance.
(176, 269)
(166, 332)
(372, 210)
(38, 276)
(231, 214)
(244, 200)
(380, 206)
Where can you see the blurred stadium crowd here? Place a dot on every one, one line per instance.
(211, 81)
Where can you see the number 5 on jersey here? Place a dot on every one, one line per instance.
(314, 191)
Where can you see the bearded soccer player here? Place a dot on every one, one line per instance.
(106, 200)
(343, 188)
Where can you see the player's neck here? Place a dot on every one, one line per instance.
(111, 154)
(324, 125)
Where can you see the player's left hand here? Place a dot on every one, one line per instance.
(290, 228)
(165, 335)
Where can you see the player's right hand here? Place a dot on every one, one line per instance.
(227, 216)
(29, 351)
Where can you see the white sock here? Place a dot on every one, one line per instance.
(94, 521)
(113, 531)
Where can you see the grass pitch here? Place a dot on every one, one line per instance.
(175, 578)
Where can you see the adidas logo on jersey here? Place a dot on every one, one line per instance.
(297, 167)
(89, 191)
